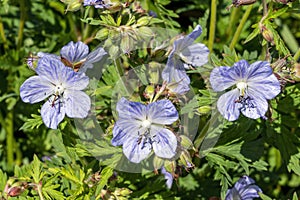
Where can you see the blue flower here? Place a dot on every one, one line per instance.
(183, 54)
(168, 176)
(140, 128)
(243, 189)
(62, 86)
(95, 3)
(255, 84)
(77, 56)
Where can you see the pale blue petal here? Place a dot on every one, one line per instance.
(250, 192)
(196, 54)
(243, 182)
(124, 128)
(136, 149)
(42, 54)
(165, 142)
(74, 52)
(179, 88)
(175, 71)
(93, 57)
(131, 110)
(240, 70)
(53, 112)
(268, 87)
(74, 80)
(227, 105)
(36, 89)
(220, 78)
(162, 112)
(168, 176)
(77, 103)
(258, 71)
(256, 105)
(183, 42)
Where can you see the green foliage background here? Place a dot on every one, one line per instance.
(267, 150)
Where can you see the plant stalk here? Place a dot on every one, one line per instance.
(240, 27)
(212, 26)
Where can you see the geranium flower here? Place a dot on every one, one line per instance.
(183, 54)
(255, 84)
(77, 56)
(140, 128)
(62, 86)
(243, 189)
(95, 3)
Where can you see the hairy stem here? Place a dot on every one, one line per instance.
(2, 35)
(240, 27)
(22, 23)
(212, 26)
(9, 138)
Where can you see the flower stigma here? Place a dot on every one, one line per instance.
(146, 124)
(242, 86)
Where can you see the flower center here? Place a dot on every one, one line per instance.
(146, 124)
(59, 90)
(242, 86)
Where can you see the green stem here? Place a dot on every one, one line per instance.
(9, 138)
(234, 17)
(22, 23)
(2, 35)
(212, 26)
(39, 189)
(297, 55)
(87, 27)
(240, 27)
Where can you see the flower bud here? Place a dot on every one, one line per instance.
(186, 159)
(296, 72)
(204, 110)
(72, 5)
(186, 142)
(157, 162)
(267, 34)
(170, 165)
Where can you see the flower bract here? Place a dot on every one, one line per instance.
(183, 54)
(254, 85)
(243, 189)
(62, 86)
(141, 128)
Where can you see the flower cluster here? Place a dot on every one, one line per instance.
(243, 189)
(57, 80)
(255, 84)
(141, 128)
(183, 54)
(95, 3)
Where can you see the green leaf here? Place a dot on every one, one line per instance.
(106, 173)
(34, 123)
(3, 180)
(36, 172)
(264, 197)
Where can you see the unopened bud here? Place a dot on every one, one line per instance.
(204, 110)
(186, 142)
(186, 159)
(170, 166)
(157, 162)
(267, 34)
(296, 72)
(72, 5)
